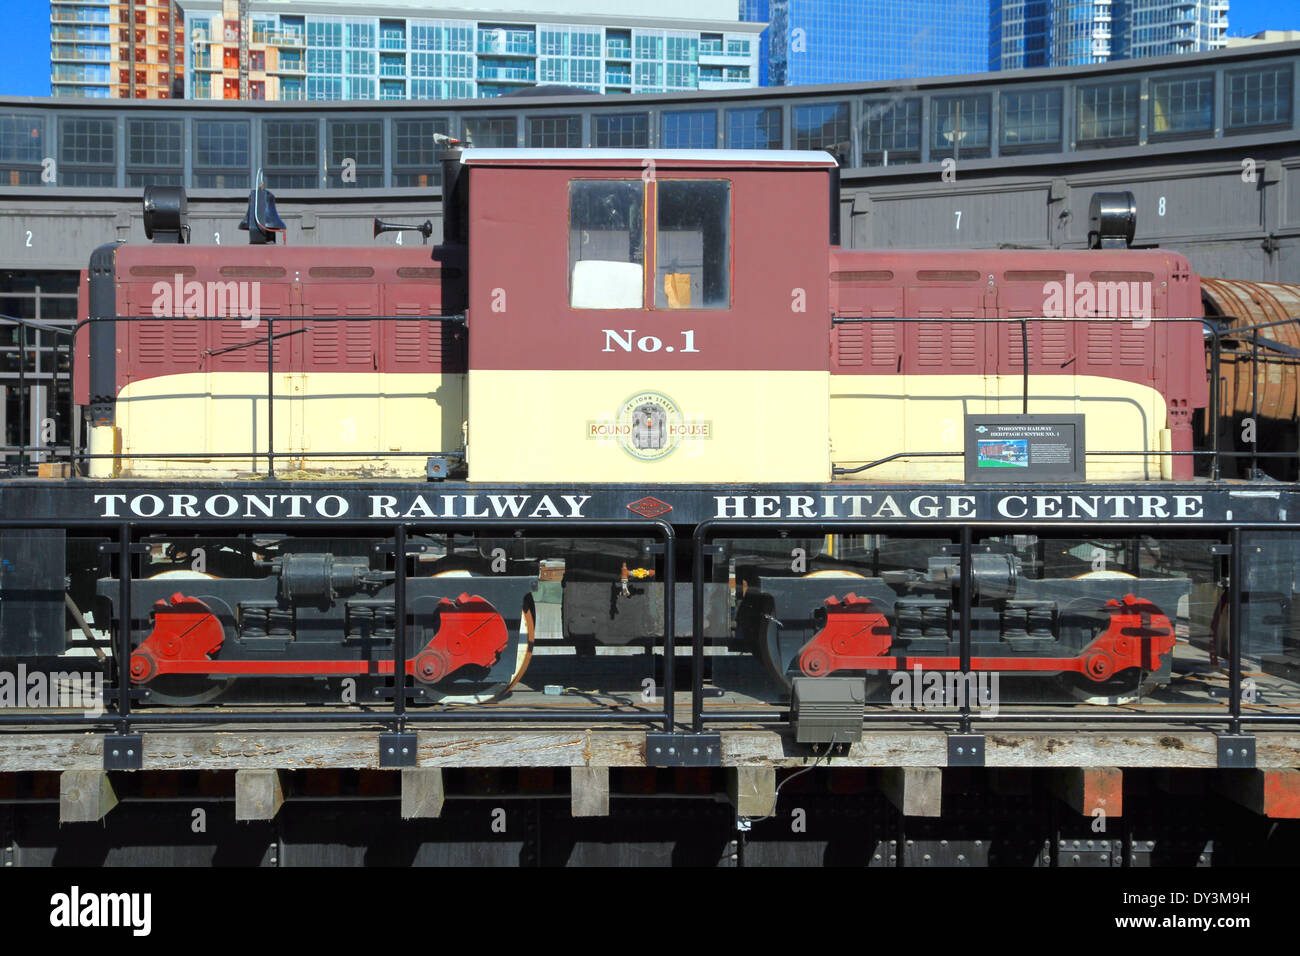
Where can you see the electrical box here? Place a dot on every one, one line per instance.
(828, 710)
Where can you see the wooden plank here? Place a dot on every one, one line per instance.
(1270, 793)
(752, 790)
(1087, 790)
(244, 749)
(422, 792)
(589, 791)
(85, 796)
(915, 791)
(259, 794)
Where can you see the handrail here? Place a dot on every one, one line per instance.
(79, 454)
(124, 719)
(1214, 329)
(704, 532)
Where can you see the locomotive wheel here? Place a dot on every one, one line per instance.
(179, 690)
(1109, 688)
(780, 656)
(1120, 689)
(462, 687)
(184, 690)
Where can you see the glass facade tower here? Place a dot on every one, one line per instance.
(847, 41)
(1033, 33)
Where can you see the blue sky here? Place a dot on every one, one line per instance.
(25, 40)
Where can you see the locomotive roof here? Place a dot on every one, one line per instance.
(635, 157)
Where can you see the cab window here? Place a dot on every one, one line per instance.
(693, 244)
(606, 244)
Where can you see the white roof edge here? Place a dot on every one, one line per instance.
(738, 156)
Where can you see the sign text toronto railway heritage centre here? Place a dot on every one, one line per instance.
(216, 502)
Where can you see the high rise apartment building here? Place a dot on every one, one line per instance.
(1037, 33)
(364, 50)
(131, 50)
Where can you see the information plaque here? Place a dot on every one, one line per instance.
(1024, 448)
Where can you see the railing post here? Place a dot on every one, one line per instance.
(1024, 358)
(270, 398)
(697, 630)
(1254, 404)
(964, 631)
(670, 610)
(23, 411)
(399, 629)
(1216, 361)
(1237, 583)
(123, 652)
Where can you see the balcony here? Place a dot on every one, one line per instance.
(515, 45)
(618, 79)
(101, 55)
(291, 67)
(76, 76)
(714, 54)
(286, 38)
(722, 80)
(78, 35)
(392, 41)
(516, 74)
(618, 51)
(58, 15)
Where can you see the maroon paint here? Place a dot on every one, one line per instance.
(519, 245)
(1166, 357)
(177, 346)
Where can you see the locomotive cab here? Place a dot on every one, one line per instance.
(648, 315)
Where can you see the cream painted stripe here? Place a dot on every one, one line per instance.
(533, 426)
(371, 412)
(874, 416)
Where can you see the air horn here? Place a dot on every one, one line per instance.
(425, 228)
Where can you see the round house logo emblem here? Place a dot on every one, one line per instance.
(649, 426)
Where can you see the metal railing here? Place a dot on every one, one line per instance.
(1231, 717)
(78, 455)
(1214, 329)
(124, 719)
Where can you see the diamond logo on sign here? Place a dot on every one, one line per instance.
(649, 426)
(649, 507)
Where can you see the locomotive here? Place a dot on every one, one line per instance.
(639, 327)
